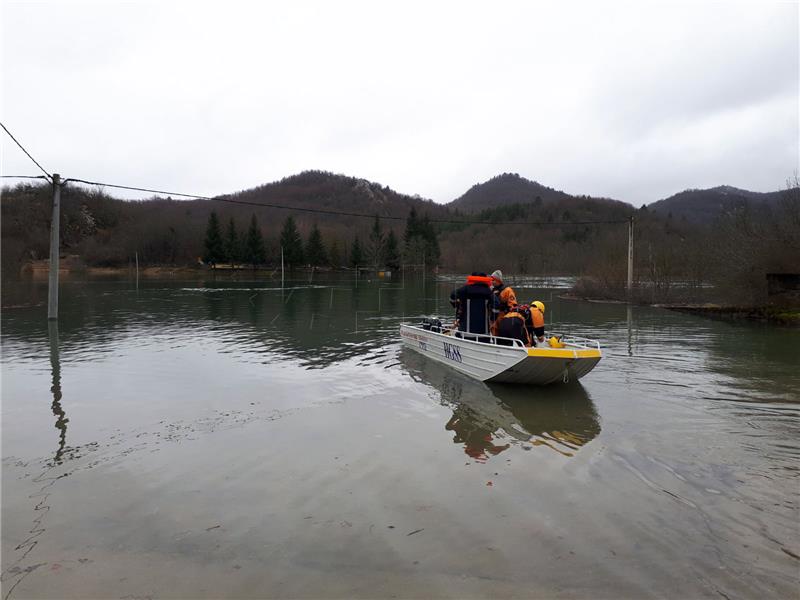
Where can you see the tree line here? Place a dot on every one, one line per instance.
(675, 259)
(381, 249)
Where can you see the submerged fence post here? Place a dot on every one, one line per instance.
(55, 224)
(630, 258)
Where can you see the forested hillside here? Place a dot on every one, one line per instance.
(503, 190)
(706, 206)
(107, 232)
(513, 224)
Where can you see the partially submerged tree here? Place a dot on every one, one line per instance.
(214, 250)
(376, 244)
(392, 252)
(420, 240)
(254, 244)
(315, 249)
(356, 254)
(233, 249)
(291, 243)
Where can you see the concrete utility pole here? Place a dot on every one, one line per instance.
(630, 258)
(55, 223)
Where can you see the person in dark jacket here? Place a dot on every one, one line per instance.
(512, 325)
(473, 303)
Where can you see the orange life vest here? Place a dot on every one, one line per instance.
(513, 314)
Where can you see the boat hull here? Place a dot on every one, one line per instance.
(493, 362)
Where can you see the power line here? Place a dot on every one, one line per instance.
(23, 176)
(49, 177)
(341, 213)
(138, 189)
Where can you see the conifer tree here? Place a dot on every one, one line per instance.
(254, 244)
(412, 227)
(232, 246)
(413, 242)
(315, 249)
(291, 243)
(428, 233)
(376, 244)
(392, 252)
(356, 254)
(214, 251)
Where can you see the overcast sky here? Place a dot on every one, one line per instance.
(634, 101)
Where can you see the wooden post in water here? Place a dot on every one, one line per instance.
(55, 223)
(630, 259)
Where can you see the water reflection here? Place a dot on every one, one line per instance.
(55, 389)
(488, 419)
(630, 330)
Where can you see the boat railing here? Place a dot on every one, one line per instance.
(574, 340)
(488, 338)
(485, 338)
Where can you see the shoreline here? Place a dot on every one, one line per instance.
(726, 312)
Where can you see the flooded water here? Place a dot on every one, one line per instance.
(229, 438)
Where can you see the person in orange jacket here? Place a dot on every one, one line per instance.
(506, 298)
(533, 316)
(537, 321)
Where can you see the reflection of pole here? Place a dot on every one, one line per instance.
(630, 330)
(55, 365)
(630, 258)
(281, 266)
(137, 269)
(55, 224)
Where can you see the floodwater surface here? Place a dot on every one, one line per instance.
(231, 438)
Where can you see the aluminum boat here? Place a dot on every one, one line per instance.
(497, 359)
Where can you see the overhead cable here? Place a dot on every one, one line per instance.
(49, 177)
(341, 213)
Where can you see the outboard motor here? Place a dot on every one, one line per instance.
(434, 325)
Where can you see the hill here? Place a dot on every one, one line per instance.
(705, 207)
(505, 189)
(107, 231)
(687, 238)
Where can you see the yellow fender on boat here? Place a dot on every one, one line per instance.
(556, 342)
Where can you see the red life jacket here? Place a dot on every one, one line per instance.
(472, 279)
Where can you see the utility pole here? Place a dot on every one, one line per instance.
(630, 258)
(55, 223)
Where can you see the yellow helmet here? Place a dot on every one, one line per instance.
(539, 305)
